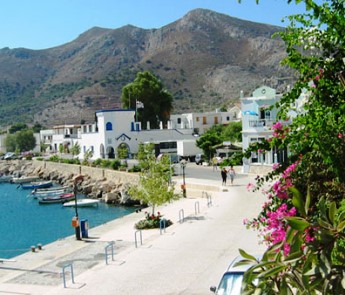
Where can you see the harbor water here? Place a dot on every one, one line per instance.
(25, 223)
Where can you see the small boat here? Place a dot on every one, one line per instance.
(24, 179)
(51, 189)
(37, 185)
(56, 199)
(6, 178)
(82, 203)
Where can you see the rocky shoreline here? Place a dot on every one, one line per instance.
(108, 191)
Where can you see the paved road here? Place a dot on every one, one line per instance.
(185, 259)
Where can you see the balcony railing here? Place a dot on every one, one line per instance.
(261, 123)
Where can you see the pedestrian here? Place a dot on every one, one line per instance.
(215, 163)
(232, 174)
(224, 176)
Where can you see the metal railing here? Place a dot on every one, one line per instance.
(106, 248)
(64, 274)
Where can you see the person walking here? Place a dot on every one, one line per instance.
(232, 174)
(224, 176)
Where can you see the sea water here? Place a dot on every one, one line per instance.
(25, 223)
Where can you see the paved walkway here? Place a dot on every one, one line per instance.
(187, 258)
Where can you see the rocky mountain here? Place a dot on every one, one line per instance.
(204, 59)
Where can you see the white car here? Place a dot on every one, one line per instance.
(231, 281)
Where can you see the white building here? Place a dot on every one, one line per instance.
(257, 121)
(114, 129)
(199, 123)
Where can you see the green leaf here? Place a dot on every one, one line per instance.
(245, 255)
(272, 271)
(307, 201)
(297, 201)
(297, 223)
(341, 226)
(332, 212)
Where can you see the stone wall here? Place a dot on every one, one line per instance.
(93, 172)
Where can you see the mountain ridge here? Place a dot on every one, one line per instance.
(204, 59)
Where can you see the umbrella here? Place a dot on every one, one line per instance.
(250, 113)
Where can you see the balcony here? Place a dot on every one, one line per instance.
(261, 123)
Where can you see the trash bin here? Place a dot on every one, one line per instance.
(84, 227)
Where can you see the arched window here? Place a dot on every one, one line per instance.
(108, 126)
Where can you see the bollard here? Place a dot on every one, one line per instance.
(135, 237)
(197, 207)
(162, 225)
(181, 216)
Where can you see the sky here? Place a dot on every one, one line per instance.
(41, 24)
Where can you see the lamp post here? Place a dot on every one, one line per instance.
(76, 180)
(183, 164)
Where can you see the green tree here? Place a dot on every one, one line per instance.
(75, 149)
(303, 221)
(17, 127)
(149, 90)
(25, 140)
(37, 128)
(233, 132)
(87, 156)
(154, 187)
(21, 141)
(209, 140)
(122, 151)
(10, 143)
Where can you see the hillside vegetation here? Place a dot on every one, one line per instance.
(204, 59)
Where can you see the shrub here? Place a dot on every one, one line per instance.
(152, 221)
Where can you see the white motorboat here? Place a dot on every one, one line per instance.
(82, 203)
(24, 179)
(6, 178)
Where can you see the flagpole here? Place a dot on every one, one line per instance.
(136, 111)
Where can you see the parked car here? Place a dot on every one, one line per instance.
(198, 159)
(231, 281)
(10, 156)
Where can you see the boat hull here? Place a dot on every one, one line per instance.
(82, 203)
(37, 185)
(24, 179)
(57, 199)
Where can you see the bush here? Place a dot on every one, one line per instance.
(115, 164)
(152, 221)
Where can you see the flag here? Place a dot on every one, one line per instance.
(139, 105)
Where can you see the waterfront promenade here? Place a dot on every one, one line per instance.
(187, 258)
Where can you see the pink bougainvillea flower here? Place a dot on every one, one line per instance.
(250, 186)
(286, 250)
(275, 166)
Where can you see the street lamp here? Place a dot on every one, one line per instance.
(183, 164)
(75, 221)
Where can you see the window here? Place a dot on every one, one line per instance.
(178, 120)
(215, 120)
(204, 120)
(197, 119)
(108, 126)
